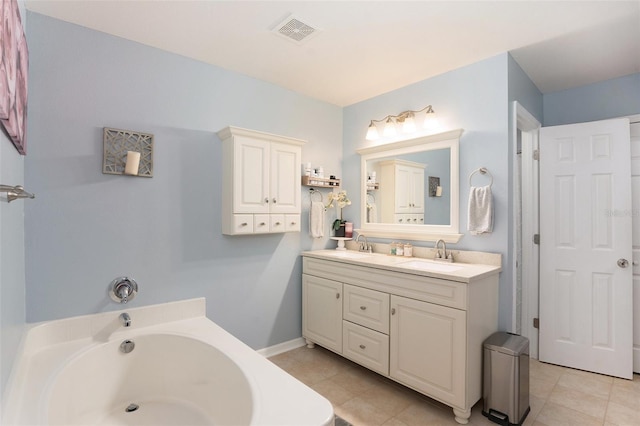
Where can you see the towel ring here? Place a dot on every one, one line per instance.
(313, 192)
(482, 171)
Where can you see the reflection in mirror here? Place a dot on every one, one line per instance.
(410, 188)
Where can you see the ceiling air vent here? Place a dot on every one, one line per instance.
(295, 30)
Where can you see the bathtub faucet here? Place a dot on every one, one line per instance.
(123, 289)
(125, 319)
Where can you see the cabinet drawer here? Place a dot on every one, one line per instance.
(276, 223)
(242, 223)
(292, 223)
(366, 307)
(366, 347)
(261, 223)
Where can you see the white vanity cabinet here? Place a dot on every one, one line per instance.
(260, 182)
(419, 330)
(401, 192)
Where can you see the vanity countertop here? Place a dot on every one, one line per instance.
(457, 271)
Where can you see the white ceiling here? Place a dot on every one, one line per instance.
(366, 48)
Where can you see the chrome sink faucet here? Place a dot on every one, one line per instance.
(364, 246)
(444, 256)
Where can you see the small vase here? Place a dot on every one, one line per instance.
(340, 232)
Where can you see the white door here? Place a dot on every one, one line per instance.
(635, 189)
(585, 247)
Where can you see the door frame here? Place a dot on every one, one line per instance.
(529, 127)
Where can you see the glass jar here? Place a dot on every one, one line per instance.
(408, 250)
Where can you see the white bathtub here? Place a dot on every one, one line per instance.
(183, 370)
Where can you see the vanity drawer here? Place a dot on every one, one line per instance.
(366, 347)
(261, 223)
(366, 307)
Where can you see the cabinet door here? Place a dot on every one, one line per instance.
(322, 311)
(285, 178)
(402, 184)
(250, 176)
(417, 190)
(428, 347)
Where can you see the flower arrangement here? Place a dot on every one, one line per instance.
(342, 201)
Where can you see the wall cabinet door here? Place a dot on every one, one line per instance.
(251, 176)
(322, 312)
(428, 348)
(284, 180)
(416, 188)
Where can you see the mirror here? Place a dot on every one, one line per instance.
(410, 189)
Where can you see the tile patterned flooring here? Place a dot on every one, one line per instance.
(559, 395)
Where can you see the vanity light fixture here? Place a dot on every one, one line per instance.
(405, 120)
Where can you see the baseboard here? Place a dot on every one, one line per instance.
(281, 347)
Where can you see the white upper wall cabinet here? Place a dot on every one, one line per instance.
(260, 182)
(401, 192)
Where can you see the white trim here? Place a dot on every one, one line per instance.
(634, 118)
(530, 128)
(281, 347)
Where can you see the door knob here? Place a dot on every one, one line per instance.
(623, 263)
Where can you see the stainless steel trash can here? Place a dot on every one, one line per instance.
(506, 378)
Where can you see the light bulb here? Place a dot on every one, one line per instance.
(389, 128)
(409, 125)
(430, 121)
(372, 132)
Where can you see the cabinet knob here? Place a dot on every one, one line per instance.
(363, 347)
(364, 308)
(266, 200)
(244, 224)
(262, 224)
(399, 220)
(293, 223)
(277, 223)
(337, 295)
(393, 311)
(274, 201)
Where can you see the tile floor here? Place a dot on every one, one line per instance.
(559, 396)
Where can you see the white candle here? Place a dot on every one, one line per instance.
(439, 191)
(133, 163)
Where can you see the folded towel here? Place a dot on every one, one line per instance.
(480, 218)
(316, 219)
(372, 213)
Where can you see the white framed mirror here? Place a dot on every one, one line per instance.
(410, 189)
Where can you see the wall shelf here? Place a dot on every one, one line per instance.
(320, 182)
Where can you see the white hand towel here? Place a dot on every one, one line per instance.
(480, 217)
(316, 219)
(372, 214)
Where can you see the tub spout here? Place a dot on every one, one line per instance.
(125, 319)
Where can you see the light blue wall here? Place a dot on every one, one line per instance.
(473, 98)
(607, 99)
(87, 228)
(12, 264)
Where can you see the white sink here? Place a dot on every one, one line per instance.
(426, 265)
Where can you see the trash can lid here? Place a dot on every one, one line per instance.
(507, 343)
